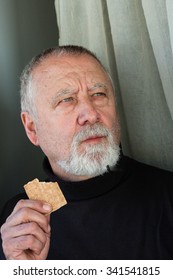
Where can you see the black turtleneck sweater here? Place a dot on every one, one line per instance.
(124, 214)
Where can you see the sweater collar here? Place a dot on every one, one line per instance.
(93, 187)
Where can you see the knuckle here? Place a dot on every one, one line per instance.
(21, 203)
(30, 239)
(26, 241)
(33, 227)
(3, 229)
(6, 245)
(27, 227)
(44, 239)
(24, 212)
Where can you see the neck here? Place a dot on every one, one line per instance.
(58, 171)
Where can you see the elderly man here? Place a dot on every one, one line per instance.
(117, 208)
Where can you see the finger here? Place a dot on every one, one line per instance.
(26, 215)
(25, 229)
(16, 246)
(37, 205)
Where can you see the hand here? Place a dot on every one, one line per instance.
(26, 232)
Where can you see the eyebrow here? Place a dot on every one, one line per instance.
(59, 93)
(98, 85)
(64, 92)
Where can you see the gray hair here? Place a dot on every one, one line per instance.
(26, 89)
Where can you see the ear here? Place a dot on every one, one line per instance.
(30, 127)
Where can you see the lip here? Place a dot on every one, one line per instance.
(93, 139)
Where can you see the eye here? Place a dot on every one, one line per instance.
(67, 100)
(100, 98)
(99, 94)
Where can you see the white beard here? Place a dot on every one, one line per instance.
(95, 158)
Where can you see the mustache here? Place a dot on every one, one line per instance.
(90, 131)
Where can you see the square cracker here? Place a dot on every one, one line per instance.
(49, 192)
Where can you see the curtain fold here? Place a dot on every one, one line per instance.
(134, 40)
(169, 7)
(161, 42)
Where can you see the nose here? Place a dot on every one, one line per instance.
(87, 113)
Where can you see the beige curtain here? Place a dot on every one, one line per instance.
(134, 39)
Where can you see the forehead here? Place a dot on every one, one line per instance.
(69, 67)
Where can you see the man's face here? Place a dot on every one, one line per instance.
(76, 116)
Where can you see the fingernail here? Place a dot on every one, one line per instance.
(47, 207)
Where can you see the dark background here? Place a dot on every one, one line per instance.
(26, 28)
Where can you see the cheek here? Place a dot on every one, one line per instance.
(109, 116)
(54, 139)
(111, 120)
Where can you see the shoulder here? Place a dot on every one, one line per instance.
(148, 170)
(150, 180)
